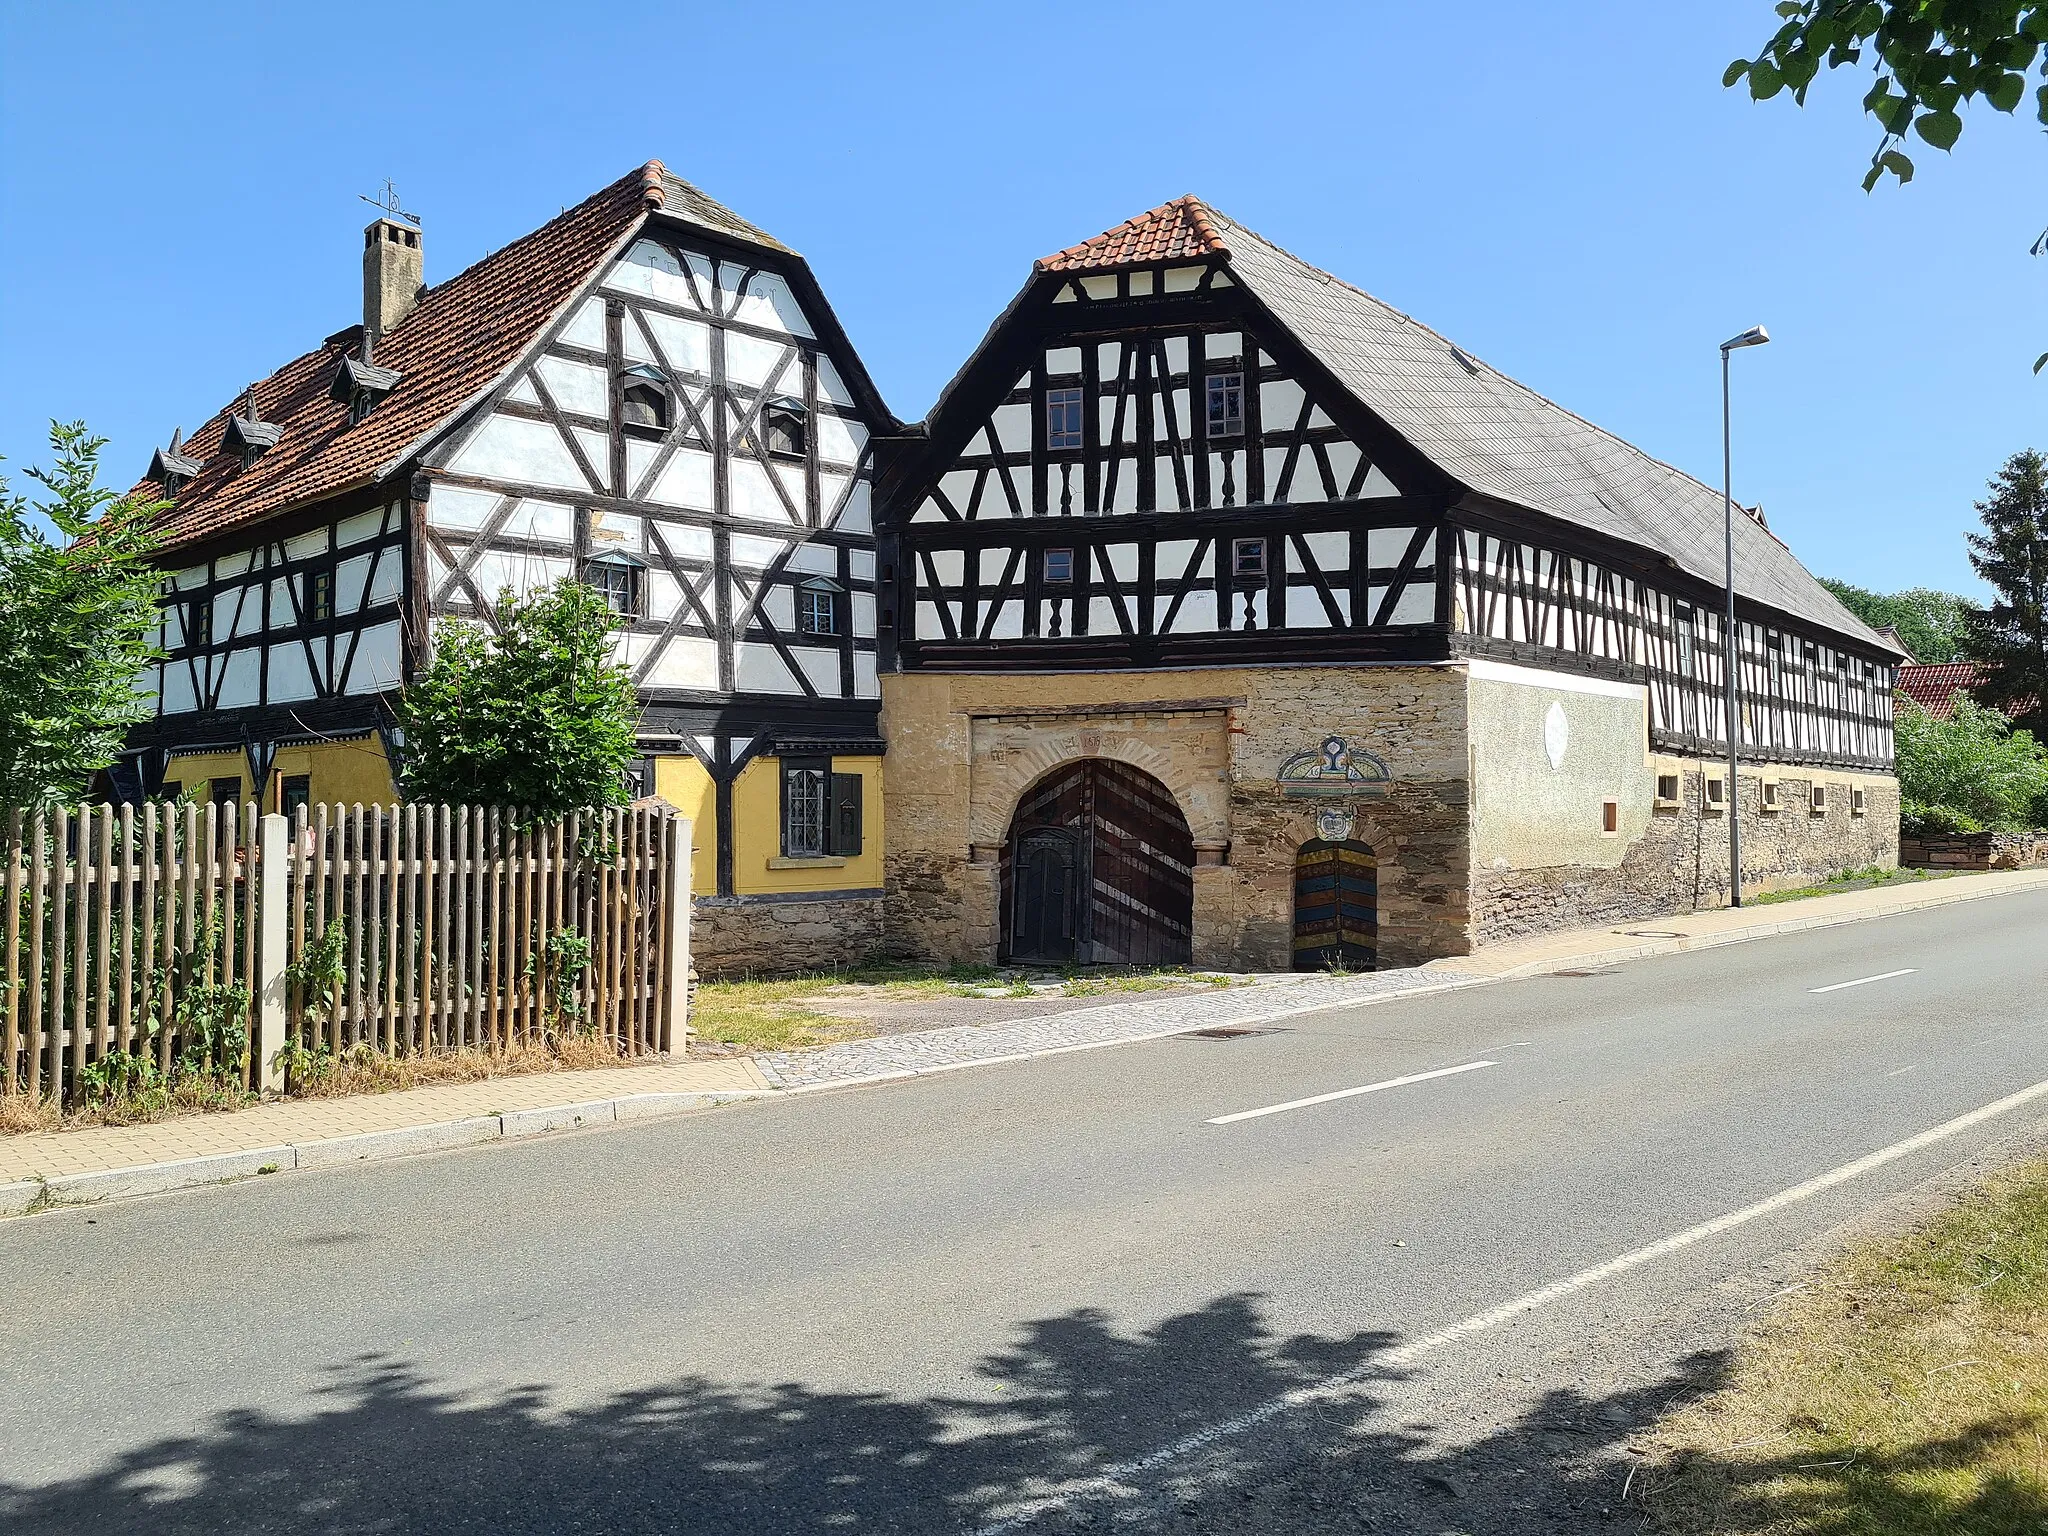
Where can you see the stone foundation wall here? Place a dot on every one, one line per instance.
(964, 747)
(735, 936)
(1976, 850)
(1680, 863)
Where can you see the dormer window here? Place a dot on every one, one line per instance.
(788, 428)
(615, 578)
(360, 385)
(644, 399)
(171, 467)
(249, 440)
(817, 607)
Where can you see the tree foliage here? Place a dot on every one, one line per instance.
(2010, 637)
(1929, 58)
(534, 715)
(1932, 624)
(1968, 772)
(78, 619)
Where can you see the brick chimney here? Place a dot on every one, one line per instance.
(393, 274)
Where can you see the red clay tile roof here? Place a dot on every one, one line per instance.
(1933, 687)
(463, 333)
(1182, 230)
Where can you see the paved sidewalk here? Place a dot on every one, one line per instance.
(84, 1166)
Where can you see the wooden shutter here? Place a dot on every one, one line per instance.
(846, 814)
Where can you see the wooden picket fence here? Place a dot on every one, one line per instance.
(214, 937)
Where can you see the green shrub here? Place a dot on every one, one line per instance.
(1969, 772)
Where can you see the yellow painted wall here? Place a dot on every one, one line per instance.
(193, 771)
(343, 772)
(757, 834)
(686, 784)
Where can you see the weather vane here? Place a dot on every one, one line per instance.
(388, 201)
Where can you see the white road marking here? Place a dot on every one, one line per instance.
(1117, 1477)
(1349, 1093)
(1864, 981)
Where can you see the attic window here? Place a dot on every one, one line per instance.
(644, 399)
(817, 607)
(1226, 405)
(615, 578)
(171, 468)
(249, 440)
(360, 385)
(788, 428)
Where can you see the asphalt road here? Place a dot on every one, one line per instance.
(924, 1307)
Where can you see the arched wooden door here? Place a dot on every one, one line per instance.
(1336, 907)
(1098, 870)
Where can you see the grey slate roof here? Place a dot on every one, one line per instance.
(1499, 437)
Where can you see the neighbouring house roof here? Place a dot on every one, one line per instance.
(463, 333)
(1933, 686)
(1182, 230)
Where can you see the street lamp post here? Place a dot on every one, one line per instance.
(1755, 336)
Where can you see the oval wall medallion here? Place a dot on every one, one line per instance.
(1557, 735)
(1334, 825)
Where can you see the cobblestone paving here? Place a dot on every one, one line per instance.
(929, 1049)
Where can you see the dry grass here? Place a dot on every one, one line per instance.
(19, 1113)
(1905, 1393)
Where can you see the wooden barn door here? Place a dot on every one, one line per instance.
(1098, 871)
(1336, 907)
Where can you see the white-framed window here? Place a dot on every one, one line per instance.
(1226, 405)
(1059, 565)
(1769, 799)
(1064, 428)
(1820, 800)
(1248, 558)
(1858, 804)
(817, 607)
(1667, 791)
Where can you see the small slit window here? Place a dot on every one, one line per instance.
(1226, 405)
(1610, 818)
(617, 580)
(1248, 558)
(1858, 805)
(1771, 801)
(1716, 797)
(817, 607)
(1063, 426)
(1820, 800)
(1059, 565)
(199, 621)
(319, 595)
(788, 428)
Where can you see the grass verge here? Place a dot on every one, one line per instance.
(1854, 880)
(1904, 1393)
(355, 1070)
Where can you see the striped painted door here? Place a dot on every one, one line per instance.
(1336, 907)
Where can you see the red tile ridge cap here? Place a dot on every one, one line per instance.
(1138, 241)
(652, 183)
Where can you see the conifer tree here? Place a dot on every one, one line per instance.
(2010, 637)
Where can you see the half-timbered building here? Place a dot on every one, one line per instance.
(648, 394)
(1234, 616)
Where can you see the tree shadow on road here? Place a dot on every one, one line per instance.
(388, 1450)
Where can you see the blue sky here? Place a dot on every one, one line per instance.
(1564, 190)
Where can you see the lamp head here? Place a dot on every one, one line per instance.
(1755, 336)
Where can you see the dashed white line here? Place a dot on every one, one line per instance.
(1864, 981)
(1349, 1093)
(1117, 1478)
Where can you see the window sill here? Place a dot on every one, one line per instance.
(812, 861)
